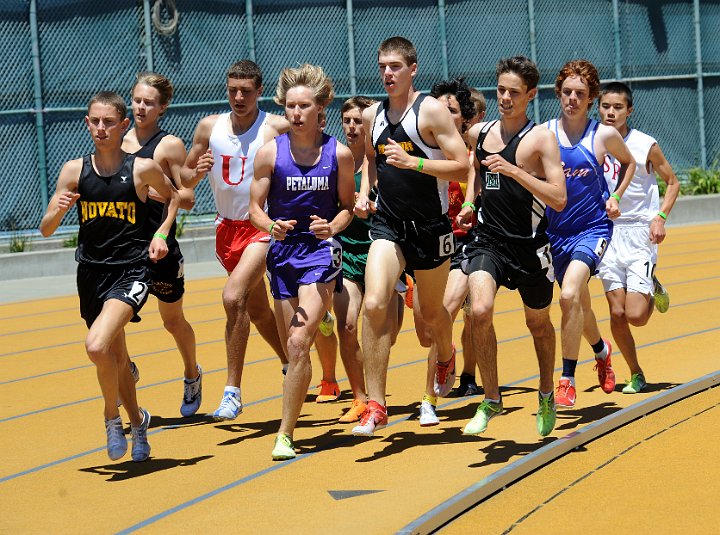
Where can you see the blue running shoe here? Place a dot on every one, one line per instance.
(116, 442)
(141, 446)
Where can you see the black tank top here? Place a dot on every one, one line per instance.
(507, 209)
(112, 217)
(157, 210)
(407, 194)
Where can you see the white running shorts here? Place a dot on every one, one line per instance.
(629, 261)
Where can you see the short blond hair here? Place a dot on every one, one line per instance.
(310, 76)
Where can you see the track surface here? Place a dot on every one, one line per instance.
(55, 476)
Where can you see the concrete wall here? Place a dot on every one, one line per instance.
(201, 248)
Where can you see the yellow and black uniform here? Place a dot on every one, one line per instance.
(112, 244)
(412, 206)
(509, 241)
(168, 273)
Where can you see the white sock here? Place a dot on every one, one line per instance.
(235, 390)
(571, 379)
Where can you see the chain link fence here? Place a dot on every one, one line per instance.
(57, 53)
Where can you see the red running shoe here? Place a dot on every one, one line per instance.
(565, 394)
(606, 375)
(373, 419)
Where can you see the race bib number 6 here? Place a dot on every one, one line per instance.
(447, 244)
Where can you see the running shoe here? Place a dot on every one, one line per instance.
(409, 292)
(468, 386)
(445, 376)
(327, 324)
(635, 385)
(605, 373)
(329, 391)
(116, 442)
(230, 407)
(662, 297)
(140, 444)
(136, 375)
(373, 419)
(485, 411)
(193, 394)
(546, 414)
(354, 412)
(284, 449)
(428, 418)
(135, 371)
(565, 394)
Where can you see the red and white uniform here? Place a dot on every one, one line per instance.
(232, 172)
(230, 179)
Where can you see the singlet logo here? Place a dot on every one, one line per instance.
(492, 180)
(575, 173)
(407, 146)
(307, 183)
(123, 179)
(118, 210)
(226, 169)
(611, 168)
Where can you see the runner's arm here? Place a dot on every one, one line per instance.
(64, 197)
(663, 168)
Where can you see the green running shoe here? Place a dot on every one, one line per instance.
(662, 297)
(635, 384)
(284, 449)
(546, 414)
(327, 324)
(479, 422)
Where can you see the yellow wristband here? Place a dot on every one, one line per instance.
(616, 197)
(160, 235)
(420, 164)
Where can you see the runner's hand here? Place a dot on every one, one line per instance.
(158, 249)
(281, 228)
(320, 227)
(396, 156)
(612, 207)
(66, 200)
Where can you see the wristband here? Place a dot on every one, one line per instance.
(468, 203)
(616, 197)
(421, 162)
(663, 215)
(160, 235)
(271, 227)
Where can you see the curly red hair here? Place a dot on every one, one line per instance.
(581, 68)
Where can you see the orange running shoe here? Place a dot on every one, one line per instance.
(354, 412)
(409, 292)
(606, 375)
(565, 394)
(328, 392)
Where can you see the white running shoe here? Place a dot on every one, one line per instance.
(193, 394)
(141, 446)
(230, 407)
(428, 418)
(116, 442)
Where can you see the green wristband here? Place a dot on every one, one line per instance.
(420, 164)
(160, 235)
(272, 225)
(616, 197)
(663, 215)
(468, 203)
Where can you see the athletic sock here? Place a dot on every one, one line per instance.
(545, 396)
(430, 399)
(234, 389)
(496, 401)
(569, 368)
(600, 349)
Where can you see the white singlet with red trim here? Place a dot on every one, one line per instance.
(232, 172)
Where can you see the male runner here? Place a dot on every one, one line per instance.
(413, 151)
(112, 278)
(580, 233)
(628, 267)
(519, 174)
(306, 178)
(151, 96)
